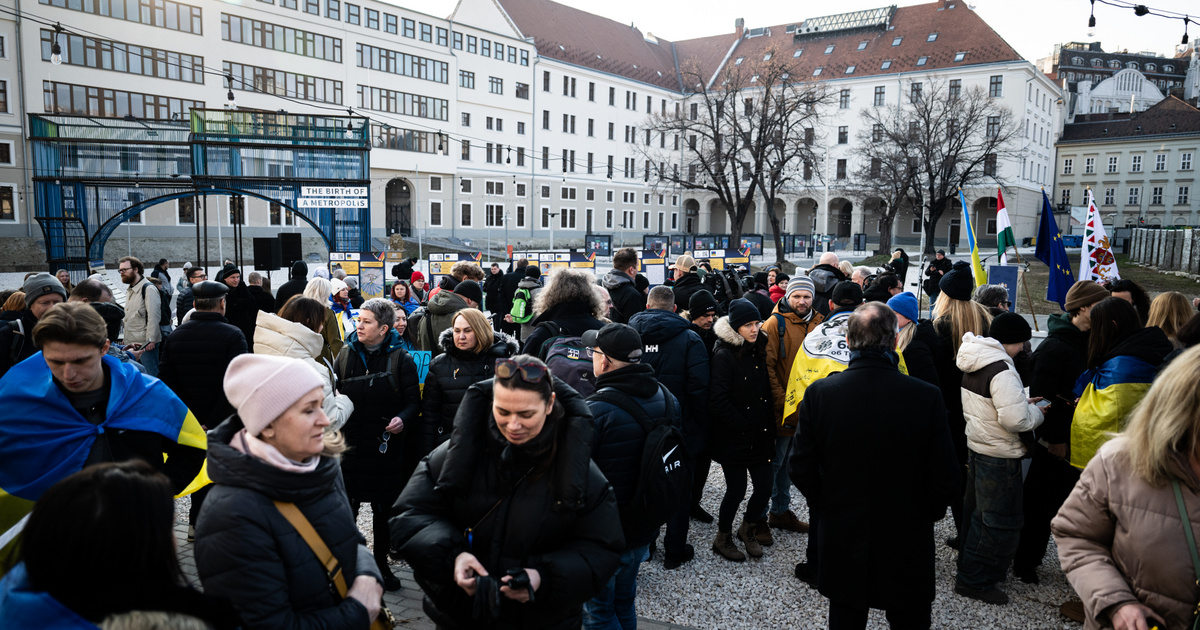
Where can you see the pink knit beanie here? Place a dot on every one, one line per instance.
(262, 387)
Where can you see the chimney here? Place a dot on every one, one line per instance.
(738, 25)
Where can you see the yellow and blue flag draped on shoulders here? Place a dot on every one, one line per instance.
(823, 352)
(43, 438)
(976, 264)
(1107, 395)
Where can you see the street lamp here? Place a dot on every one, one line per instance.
(552, 216)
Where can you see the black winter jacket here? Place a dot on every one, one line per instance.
(707, 337)
(248, 552)
(508, 287)
(1057, 364)
(874, 531)
(184, 302)
(372, 476)
(10, 338)
(241, 309)
(561, 520)
(113, 316)
(684, 287)
(298, 279)
(627, 300)
(450, 374)
(933, 275)
(620, 438)
(681, 363)
(824, 278)
(493, 292)
(265, 302)
(742, 431)
(575, 318)
(762, 301)
(920, 353)
(193, 361)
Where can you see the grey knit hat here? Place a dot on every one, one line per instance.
(41, 284)
(800, 283)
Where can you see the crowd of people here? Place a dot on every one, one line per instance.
(564, 425)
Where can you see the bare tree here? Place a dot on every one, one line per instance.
(742, 133)
(919, 153)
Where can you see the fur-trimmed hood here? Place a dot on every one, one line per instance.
(726, 333)
(505, 345)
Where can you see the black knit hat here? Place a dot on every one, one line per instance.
(701, 303)
(469, 289)
(760, 279)
(742, 312)
(846, 294)
(1010, 328)
(958, 283)
(533, 271)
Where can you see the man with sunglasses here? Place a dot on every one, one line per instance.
(617, 447)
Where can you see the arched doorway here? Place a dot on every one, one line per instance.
(398, 198)
(842, 211)
(691, 212)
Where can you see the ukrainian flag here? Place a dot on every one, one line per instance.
(1107, 395)
(976, 265)
(44, 439)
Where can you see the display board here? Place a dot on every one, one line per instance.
(548, 261)
(441, 263)
(599, 244)
(365, 267)
(652, 263)
(1006, 276)
(753, 242)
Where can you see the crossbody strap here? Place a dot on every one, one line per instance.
(332, 569)
(1187, 528)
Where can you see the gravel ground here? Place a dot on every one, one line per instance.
(763, 593)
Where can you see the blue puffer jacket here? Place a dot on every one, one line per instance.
(617, 443)
(680, 360)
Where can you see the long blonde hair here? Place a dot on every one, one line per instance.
(962, 316)
(906, 336)
(319, 289)
(1165, 422)
(1170, 311)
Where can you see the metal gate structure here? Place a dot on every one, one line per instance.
(92, 174)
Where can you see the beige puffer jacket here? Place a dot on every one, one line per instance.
(1120, 539)
(279, 337)
(994, 402)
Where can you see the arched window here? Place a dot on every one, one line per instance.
(1076, 61)
(1168, 68)
(1132, 65)
(1114, 64)
(1151, 67)
(1096, 62)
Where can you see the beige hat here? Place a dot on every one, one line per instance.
(685, 263)
(261, 387)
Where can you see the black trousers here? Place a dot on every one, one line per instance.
(379, 529)
(843, 617)
(197, 503)
(1047, 487)
(735, 491)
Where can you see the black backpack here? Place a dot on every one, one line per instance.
(665, 475)
(568, 359)
(164, 304)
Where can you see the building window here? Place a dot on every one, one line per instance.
(959, 56)
(955, 89)
(185, 211)
(798, 53)
(1135, 194)
(880, 95)
(996, 86)
(843, 135)
(896, 40)
(1135, 165)
(520, 212)
(66, 98)
(495, 85)
(120, 57)
(465, 221)
(1089, 166)
(1068, 166)
(1065, 196)
(1182, 198)
(844, 99)
(523, 91)
(1160, 162)
(493, 215)
(1113, 163)
(352, 14)
(390, 26)
(333, 10)
(466, 79)
(466, 149)
(435, 214)
(841, 169)
(915, 92)
(383, 100)
(1110, 196)
(993, 126)
(167, 14)
(1156, 196)
(372, 19)
(402, 64)
(886, 64)
(278, 82)
(989, 165)
(932, 37)
(1185, 161)
(280, 38)
(472, 43)
(922, 60)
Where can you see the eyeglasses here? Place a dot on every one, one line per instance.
(384, 442)
(124, 269)
(530, 373)
(1006, 304)
(591, 352)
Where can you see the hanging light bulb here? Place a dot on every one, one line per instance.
(55, 48)
(1092, 21)
(350, 130)
(230, 103)
(1185, 35)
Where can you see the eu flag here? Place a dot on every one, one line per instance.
(1052, 251)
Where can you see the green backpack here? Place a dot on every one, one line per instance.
(522, 307)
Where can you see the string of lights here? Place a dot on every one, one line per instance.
(1142, 10)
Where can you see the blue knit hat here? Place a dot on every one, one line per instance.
(905, 304)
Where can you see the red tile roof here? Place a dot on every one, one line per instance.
(1169, 116)
(586, 39)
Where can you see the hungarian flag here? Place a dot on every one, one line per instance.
(1004, 231)
(1098, 263)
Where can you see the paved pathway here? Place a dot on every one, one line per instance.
(405, 604)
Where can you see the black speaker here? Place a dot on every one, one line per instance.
(266, 254)
(291, 248)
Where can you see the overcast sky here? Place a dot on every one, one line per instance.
(1030, 26)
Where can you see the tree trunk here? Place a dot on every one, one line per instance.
(736, 217)
(930, 229)
(779, 254)
(885, 235)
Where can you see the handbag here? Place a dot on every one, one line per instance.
(1191, 541)
(333, 570)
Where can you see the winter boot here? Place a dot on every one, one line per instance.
(762, 533)
(746, 535)
(725, 546)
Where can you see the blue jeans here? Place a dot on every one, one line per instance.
(992, 513)
(149, 361)
(781, 492)
(613, 608)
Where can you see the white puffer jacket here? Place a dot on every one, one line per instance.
(279, 337)
(994, 402)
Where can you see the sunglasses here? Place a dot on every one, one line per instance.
(531, 373)
(384, 442)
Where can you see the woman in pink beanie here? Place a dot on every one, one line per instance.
(274, 454)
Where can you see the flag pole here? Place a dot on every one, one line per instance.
(1025, 287)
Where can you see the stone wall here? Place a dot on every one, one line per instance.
(1167, 250)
